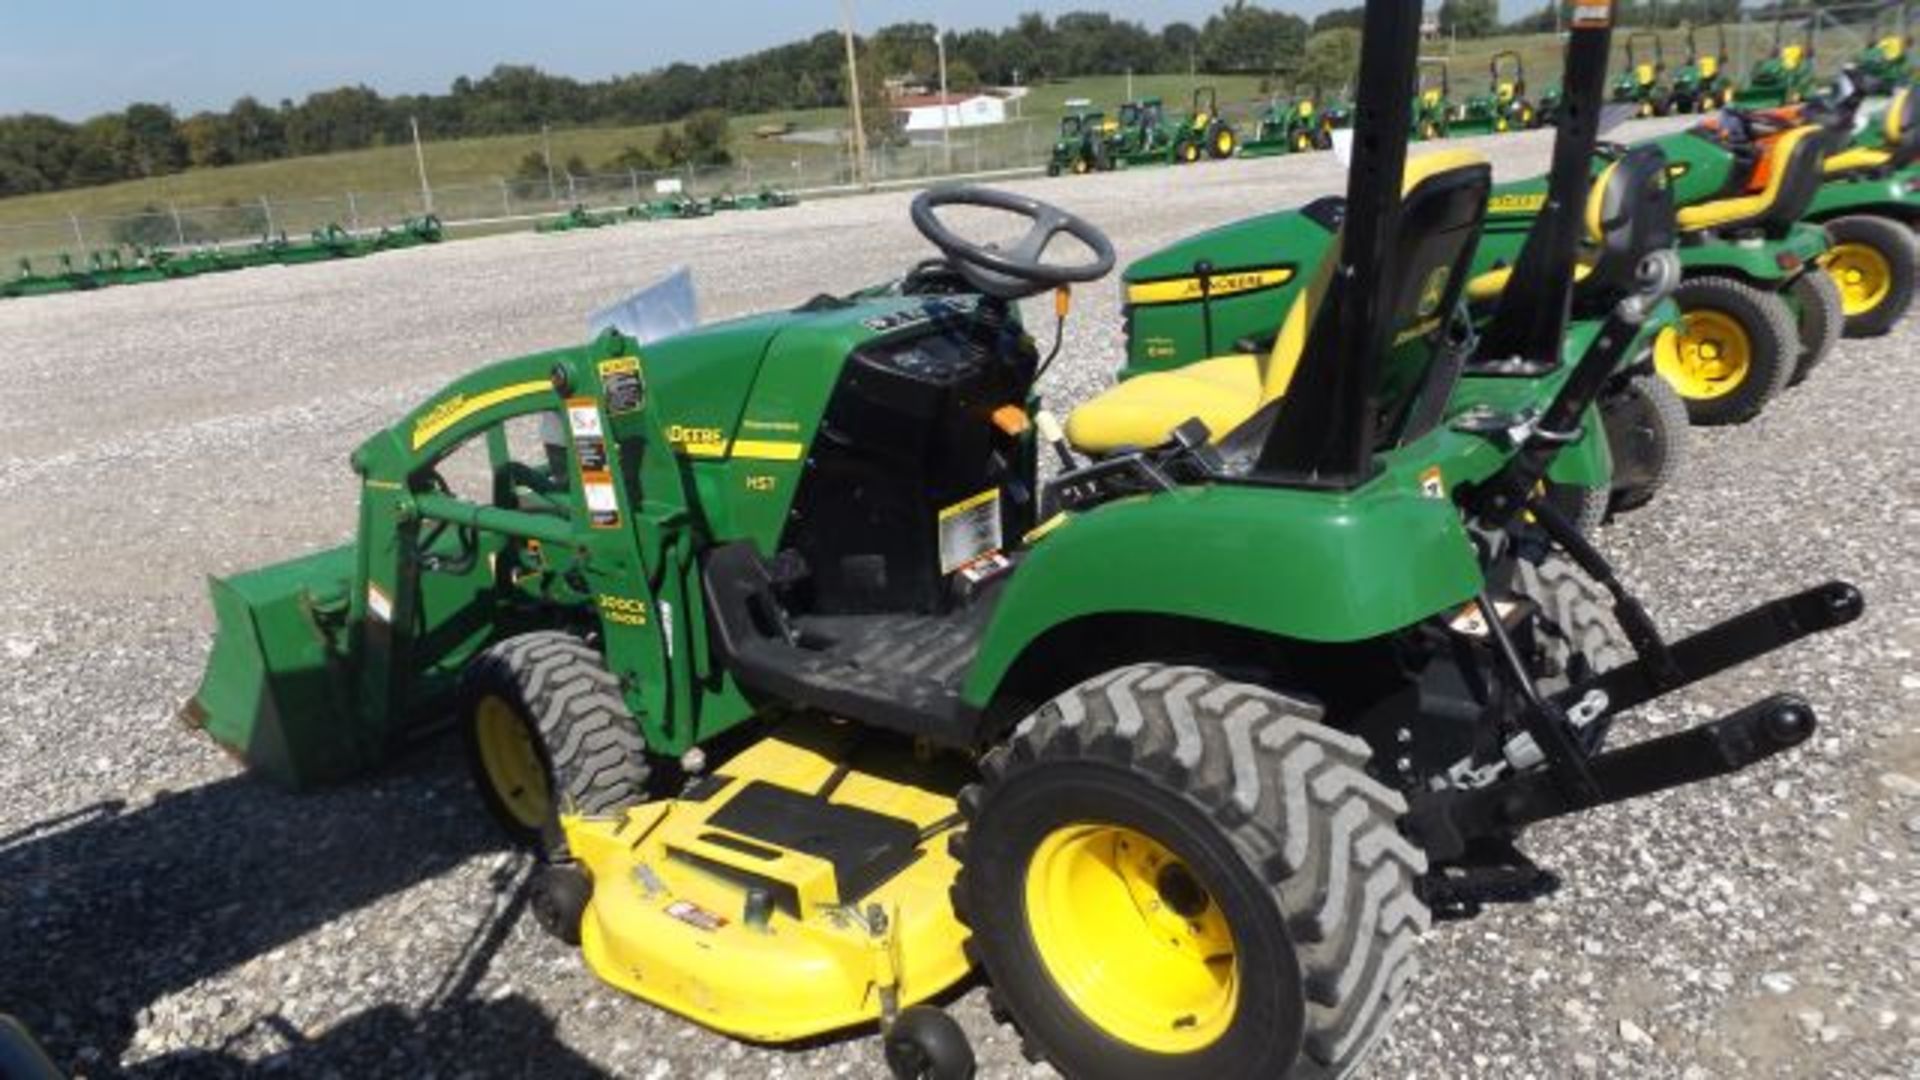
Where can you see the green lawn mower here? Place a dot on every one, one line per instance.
(811, 695)
(1294, 125)
(1702, 84)
(1505, 106)
(1883, 66)
(1758, 313)
(1644, 82)
(1432, 101)
(1082, 145)
(1868, 200)
(1785, 76)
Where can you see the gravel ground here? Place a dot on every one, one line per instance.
(164, 915)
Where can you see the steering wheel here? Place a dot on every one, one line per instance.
(1017, 272)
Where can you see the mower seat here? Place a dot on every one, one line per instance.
(1225, 391)
(1629, 214)
(1899, 141)
(1792, 168)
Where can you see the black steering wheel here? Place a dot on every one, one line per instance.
(1018, 272)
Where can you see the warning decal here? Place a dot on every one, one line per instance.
(620, 378)
(969, 529)
(603, 505)
(589, 442)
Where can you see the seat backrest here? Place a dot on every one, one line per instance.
(1902, 127)
(1709, 66)
(1438, 232)
(1797, 161)
(1630, 215)
(1792, 56)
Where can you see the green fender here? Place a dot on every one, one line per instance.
(1758, 261)
(1896, 196)
(1299, 565)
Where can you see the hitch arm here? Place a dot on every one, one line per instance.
(1745, 636)
(1444, 823)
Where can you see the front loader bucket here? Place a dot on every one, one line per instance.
(276, 693)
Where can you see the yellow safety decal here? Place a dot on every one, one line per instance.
(1516, 204)
(458, 407)
(621, 381)
(973, 503)
(1433, 484)
(764, 450)
(1187, 290)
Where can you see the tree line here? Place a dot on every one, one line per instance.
(44, 153)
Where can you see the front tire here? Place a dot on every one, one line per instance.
(1875, 262)
(1735, 350)
(1170, 874)
(548, 732)
(1819, 316)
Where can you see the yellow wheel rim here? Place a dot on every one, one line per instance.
(1225, 144)
(1863, 274)
(1131, 938)
(1708, 357)
(1080, 165)
(512, 765)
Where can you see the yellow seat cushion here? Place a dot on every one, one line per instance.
(1143, 411)
(1723, 212)
(1226, 391)
(1858, 159)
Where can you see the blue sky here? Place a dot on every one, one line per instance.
(78, 57)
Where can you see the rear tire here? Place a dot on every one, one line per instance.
(1875, 262)
(1734, 352)
(1818, 316)
(587, 745)
(1263, 843)
(1586, 507)
(1647, 434)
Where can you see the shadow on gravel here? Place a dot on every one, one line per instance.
(106, 910)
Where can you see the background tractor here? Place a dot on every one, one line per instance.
(1144, 135)
(1785, 76)
(1292, 125)
(809, 694)
(1433, 101)
(1204, 132)
(1082, 145)
(1702, 83)
(1505, 106)
(1643, 84)
(1884, 66)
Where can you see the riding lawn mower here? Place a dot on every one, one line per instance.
(812, 692)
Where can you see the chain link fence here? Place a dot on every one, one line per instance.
(813, 169)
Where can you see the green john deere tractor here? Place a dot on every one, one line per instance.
(1294, 125)
(1432, 111)
(1505, 106)
(1883, 66)
(811, 694)
(1785, 76)
(1644, 82)
(1204, 133)
(1082, 145)
(1142, 134)
(1702, 84)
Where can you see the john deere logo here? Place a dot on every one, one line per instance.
(1434, 291)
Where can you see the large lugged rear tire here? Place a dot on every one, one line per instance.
(1875, 262)
(1646, 426)
(1170, 874)
(1735, 351)
(547, 731)
(1819, 316)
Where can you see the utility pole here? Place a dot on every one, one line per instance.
(853, 87)
(1130, 96)
(546, 151)
(946, 123)
(420, 159)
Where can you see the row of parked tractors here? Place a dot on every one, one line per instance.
(131, 264)
(1143, 133)
(666, 208)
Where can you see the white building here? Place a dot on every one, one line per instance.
(923, 113)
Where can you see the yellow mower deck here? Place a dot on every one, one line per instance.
(823, 838)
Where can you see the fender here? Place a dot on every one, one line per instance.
(1758, 261)
(1289, 563)
(1896, 196)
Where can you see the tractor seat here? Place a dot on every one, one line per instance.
(1709, 66)
(1629, 214)
(1226, 391)
(1792, 57)
(1899, 141)
(1792, 166)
